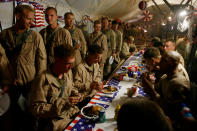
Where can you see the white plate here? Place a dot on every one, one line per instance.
(111, 60)
(95, 117)
(111, 91)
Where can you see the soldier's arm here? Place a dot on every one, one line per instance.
(120, 42)
(98, 76)
(105, 49)
(113, 41)
(84, 44)
(68, 38)
(124, 51)
(41, 56)
(39, 105)
(5, 72)
(79, 83)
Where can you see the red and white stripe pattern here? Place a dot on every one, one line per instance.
(39, 12)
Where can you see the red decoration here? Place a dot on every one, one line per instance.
(142, 5)
(147, 16)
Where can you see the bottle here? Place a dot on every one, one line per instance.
(185, 111)
(102, 117)
(116, 111)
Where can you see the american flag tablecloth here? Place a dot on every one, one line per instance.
(82, 124)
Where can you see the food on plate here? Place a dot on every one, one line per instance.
(92, 110)
(109, 89)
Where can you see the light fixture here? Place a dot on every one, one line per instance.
(172, 27)
(183, 13)
(169, 18)
(163, 23)
(145, 30)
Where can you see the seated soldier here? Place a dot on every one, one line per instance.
(173, 85)
(88, 76)
(128, 48)
(170, 45)
(53, 97)
(142, 114)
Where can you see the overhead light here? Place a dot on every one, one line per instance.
(172, 27)
(169, 18)
(163, 24)
(145, 30)
(183, 13)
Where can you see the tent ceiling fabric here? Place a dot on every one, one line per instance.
(126, 10)
(123, 9)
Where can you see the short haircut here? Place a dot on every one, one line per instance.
(20, 9)
(152, 52)
(155, 39)
(171, 40)
(63, 51)
(104, 18)
(51, 8)
(97, 22)
(158, 44)
(140, 114)
(114, 22)
(68, 13)
(93, 49)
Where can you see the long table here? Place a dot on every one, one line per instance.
(109, 103)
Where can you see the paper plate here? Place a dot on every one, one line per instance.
(106, 91)
(111, 60)
(90, 117)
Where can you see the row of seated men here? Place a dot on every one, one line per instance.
(172, 87)
(36, 69)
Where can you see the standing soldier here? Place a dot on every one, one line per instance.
(98, 38)
(27, 56)
(77, 37)
(119, 38)
(53, 35)
(118, 43)
(111, 41)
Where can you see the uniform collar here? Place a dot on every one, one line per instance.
(89, 68)
(52, 79)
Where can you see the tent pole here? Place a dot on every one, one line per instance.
(13, 20)
(0, 27)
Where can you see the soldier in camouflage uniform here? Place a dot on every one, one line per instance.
(98, 38)
(78, 39)
(53, 96)
(111, 41)
(26, 53)
(53, 35)
(88, 75)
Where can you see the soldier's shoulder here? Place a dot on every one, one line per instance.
(42, 30)
(80, 66)
(35, 33)
(6, 30)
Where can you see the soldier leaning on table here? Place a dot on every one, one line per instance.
(53, 35)
(128, 47)
(87, 77)
(53, 97)
(173, 85)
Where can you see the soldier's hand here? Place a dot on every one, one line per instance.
(74, 100)
(77, 46)
(58, 106)
(93, 85)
